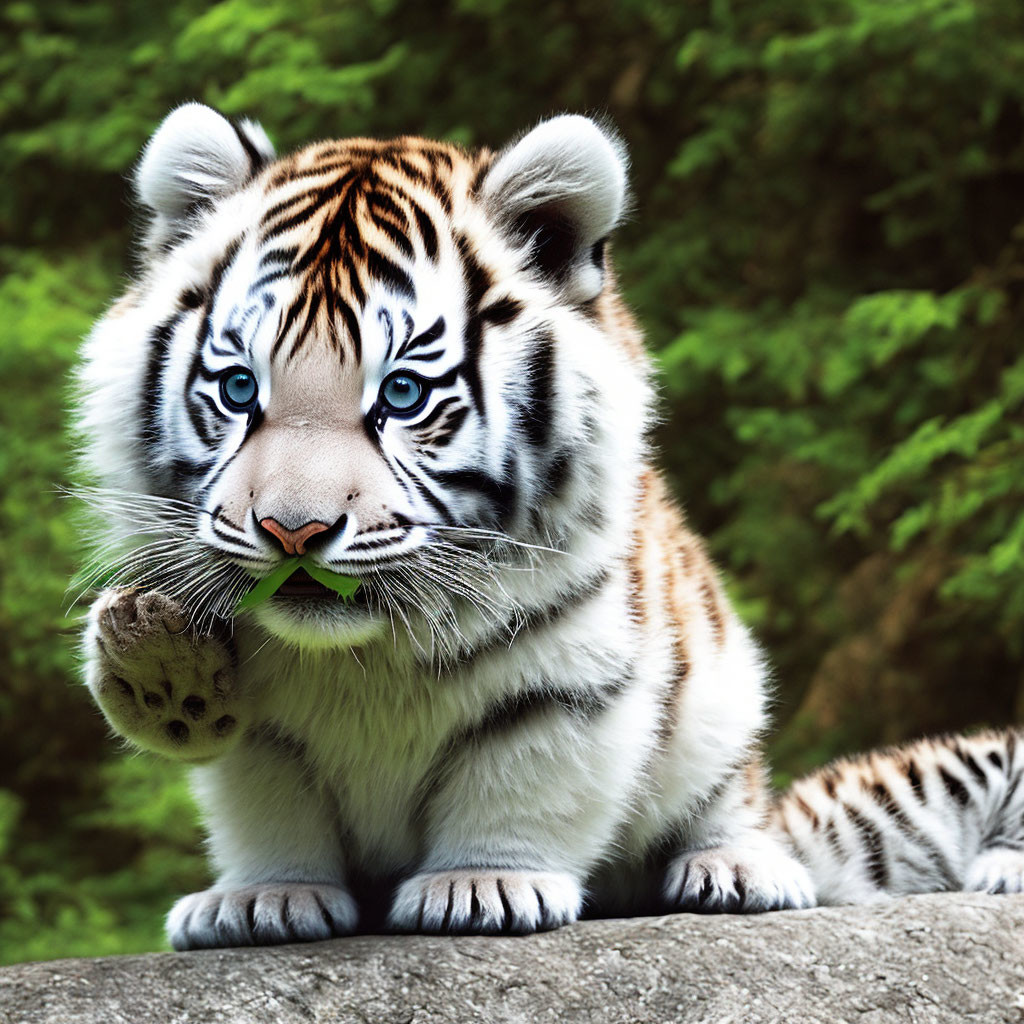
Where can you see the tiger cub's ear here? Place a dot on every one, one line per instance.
(561, 188)
(196, 155)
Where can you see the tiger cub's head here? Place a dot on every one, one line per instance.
(401, 359)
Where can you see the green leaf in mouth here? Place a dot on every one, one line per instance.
(344, 586)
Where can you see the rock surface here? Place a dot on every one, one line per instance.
(923, 959)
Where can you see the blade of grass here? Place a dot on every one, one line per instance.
(267, 586)
(346, 586)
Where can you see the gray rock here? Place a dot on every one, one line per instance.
(924, 959)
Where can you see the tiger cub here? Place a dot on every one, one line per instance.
(409, 363)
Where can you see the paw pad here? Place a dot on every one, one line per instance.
(160, 684)
(178, 731)
(193, 706)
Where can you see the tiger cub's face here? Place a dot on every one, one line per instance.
(373, 354)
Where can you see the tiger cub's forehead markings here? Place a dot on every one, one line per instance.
(340, 218)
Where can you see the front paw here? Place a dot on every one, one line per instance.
(160, 684)
(485, 901)
(261, 915)
(737, 880)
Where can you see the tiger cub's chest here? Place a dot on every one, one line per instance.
(370, 743)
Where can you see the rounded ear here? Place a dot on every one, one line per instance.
(195, 156)
(561, 188)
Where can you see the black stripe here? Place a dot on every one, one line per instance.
(955, 788)
(540, 372)
(437, 411)
(355, 284)
(500, 494)
(341, 224)
(352, 325)
(195, 417)
(211, 404)
(287, 322)
(315, 199)
(239, 542)
(269, 278)
(183, 472)
(190, 298)
(428, 337)
(222, 469)
(279, 256)
(285, 204)
(310, 172)
(502, 312)
(437, 155)
(523, 624)
(971, 764)
(451, 427)
(559, 466)
(233, 337)
(307, 325)
(436, 503)
(204, 334)
(390, 273)
(443, 194)
(914, 778)
(515, 709)
(477, 281)
(887, 801)
(256, 158)
(507, 714)
(426, 357)
(874, 845)
(384, 317)
(294, 220)
(149, 399)
(413, 173)
(427, 230)
(479, 176)
(397, 236)
(384, 204)
(1011, 792)
(832, 835)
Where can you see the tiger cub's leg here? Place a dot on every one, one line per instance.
(159, 683)
(730, 862)
(518, 814)
(274, 840)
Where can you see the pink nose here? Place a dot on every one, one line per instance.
(293, 541)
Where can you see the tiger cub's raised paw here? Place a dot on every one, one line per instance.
(737, 880)
(485, 901)
(160, 684)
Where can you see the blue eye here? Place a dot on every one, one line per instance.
(403, 393)
(238, 389)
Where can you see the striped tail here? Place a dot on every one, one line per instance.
(937, 815)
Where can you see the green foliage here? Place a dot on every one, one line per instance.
(826, 253)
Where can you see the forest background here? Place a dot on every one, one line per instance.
(826, 250)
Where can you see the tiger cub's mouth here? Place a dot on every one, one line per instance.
(301, 585)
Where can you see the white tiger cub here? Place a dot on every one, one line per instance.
(409, 363)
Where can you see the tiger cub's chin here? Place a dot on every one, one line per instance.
(318, 624)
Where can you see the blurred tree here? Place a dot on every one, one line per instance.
(826, 251)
